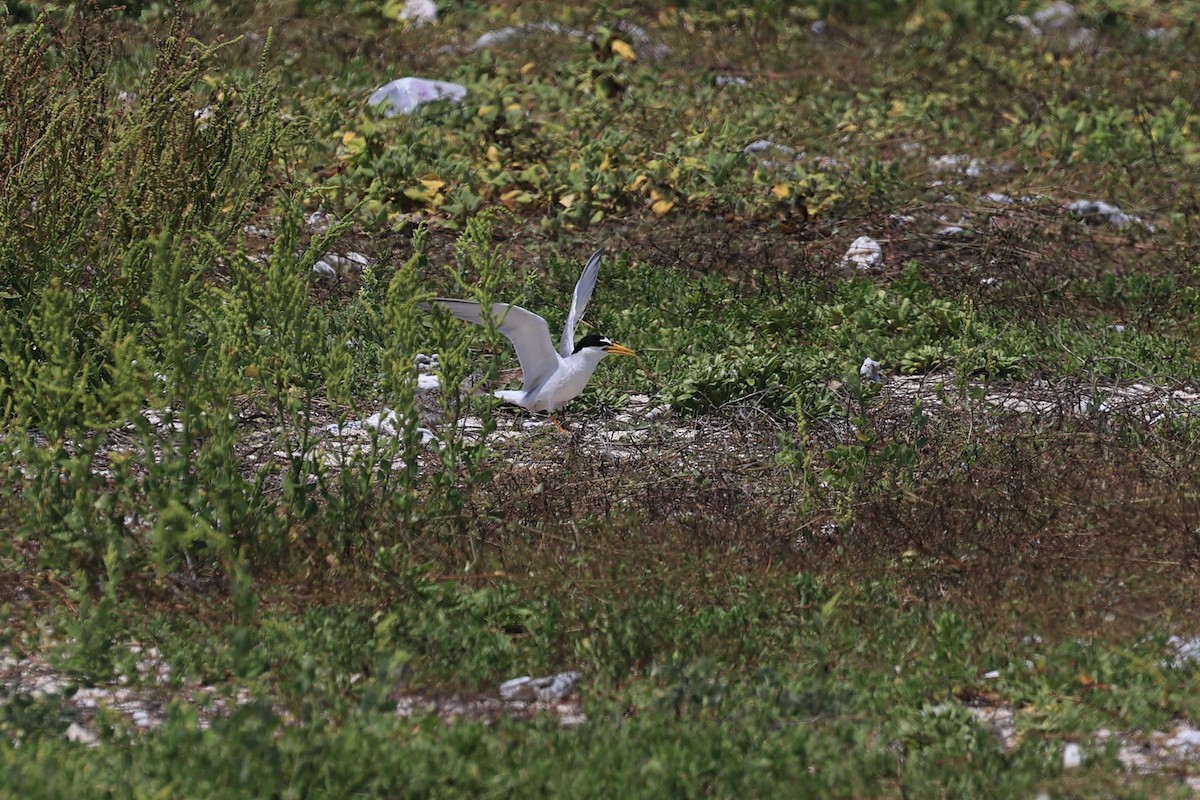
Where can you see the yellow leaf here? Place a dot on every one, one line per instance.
(662, 207)
(623, 50)
(567, 200)
(528, 68)
(509, 197)
(432, 184)
(637, 183)
(354, 143)
(782, 191)
(606, 164)
(486, 110)
(493, 154)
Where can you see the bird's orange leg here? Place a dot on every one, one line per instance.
(557, 424)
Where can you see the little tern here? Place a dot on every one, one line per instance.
(550, 378)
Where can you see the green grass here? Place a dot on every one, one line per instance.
(796, 585)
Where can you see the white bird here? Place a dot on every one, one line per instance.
(550, 379)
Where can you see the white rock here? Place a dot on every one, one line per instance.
(991, 675)
(1055, 16)
(404, 95)
(81, 735)
(1163, 34)
(1099, 212)
(346, 262)
(730, 80)
(1184, 738)
(419, 13)
(869, 371)
(767, 146)
(322, 269)
(319, 221)
(999, 198)
(428, 383)
(546, 690)
(493, 38)
(971, 167)
(864, 253)
(502, 35)
(1072, 756)
(1080, 39)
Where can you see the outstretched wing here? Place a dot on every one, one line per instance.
(583, 293)
(528, 332)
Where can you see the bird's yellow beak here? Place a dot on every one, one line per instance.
(615, 349)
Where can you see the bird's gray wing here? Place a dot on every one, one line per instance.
(579, 301)
(528, 332)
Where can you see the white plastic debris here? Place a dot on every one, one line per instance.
(1099, 212)
(546, 690)
(869, 371)
(419, 12)
(992, 675)
(730, 80)
(950, 231)
(1072, 756)
(864, 253)
(999, 198)
(404, 95)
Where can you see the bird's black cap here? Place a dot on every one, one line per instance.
(592, 340)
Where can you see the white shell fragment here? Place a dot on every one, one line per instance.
(404, 95)
(1072, 756)
(546, 690)
(864, 253)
